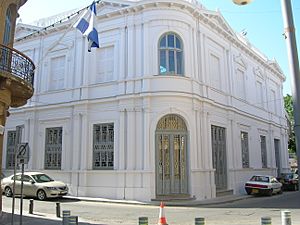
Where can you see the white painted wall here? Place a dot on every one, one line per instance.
(135, 97)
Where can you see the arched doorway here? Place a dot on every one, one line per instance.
(171, 157)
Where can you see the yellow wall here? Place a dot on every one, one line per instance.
(15, 5)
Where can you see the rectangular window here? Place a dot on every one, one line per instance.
(245, 149)
(10, 147)
(277, 156)
(53, 148)
(259, 94)
(57, 73)
(240, 84)
(263, 147)
(103, 146)
(215, 71)
(105, 64)
(273, 102)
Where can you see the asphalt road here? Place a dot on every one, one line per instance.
(244, 212)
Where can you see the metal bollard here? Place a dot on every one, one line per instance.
(199, 221)
(286, 218)
(31, 206)
(66, 214)
(57, 209)
(266, 221)
(143, 220)
(73, 220)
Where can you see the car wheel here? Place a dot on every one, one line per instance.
(280, 192)
(270, 192)
(295, 188)
(248, 192)
(8, 192)
(41, 195)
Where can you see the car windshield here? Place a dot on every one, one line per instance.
(288, 176)
(41, 178)
(260, 179)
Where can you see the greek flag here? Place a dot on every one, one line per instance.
(85, 25)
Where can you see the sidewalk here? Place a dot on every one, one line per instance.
(190, 202)
(51, 219)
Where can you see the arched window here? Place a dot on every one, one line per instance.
(170, 55)
(8, 27)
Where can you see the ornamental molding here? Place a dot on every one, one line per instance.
(275, 66)
(218, 19)
(239, 59)
(259, 72)
(61, 46)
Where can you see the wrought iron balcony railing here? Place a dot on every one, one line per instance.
(16, 63)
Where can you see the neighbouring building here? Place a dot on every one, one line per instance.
(173, 105)
(16, 69)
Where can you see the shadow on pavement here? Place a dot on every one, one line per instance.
(34, 220)
(287, 200)
(53, 199)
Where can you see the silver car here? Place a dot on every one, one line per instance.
(35, 184)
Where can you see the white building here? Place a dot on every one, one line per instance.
(174, 104)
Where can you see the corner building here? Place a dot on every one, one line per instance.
(173, 105)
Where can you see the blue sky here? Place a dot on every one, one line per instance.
(262, 19)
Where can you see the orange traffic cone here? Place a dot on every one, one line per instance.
(162, 218)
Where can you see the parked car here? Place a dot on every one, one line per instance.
(35, 184)
(290, 181)
(264, 185)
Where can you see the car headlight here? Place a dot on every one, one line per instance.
(51, 188)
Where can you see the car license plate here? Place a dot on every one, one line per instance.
(254, 191)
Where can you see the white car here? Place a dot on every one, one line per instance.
(35, 184)
(262, 184)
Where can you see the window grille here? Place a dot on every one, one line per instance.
(53, 148)
(263, 151)
(245, 149)
(170, 55)
(11, 140)
(103, 146)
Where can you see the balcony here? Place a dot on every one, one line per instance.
(18, 71)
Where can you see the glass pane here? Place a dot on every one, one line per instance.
(7, 29)
(163, 62)
(171, 40)
(179, 62)
(163, 43)
(171, 61)
(178, 43)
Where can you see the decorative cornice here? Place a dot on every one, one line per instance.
(217, 24)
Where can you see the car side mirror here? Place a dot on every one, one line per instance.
(32, 182)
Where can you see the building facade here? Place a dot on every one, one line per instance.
(173, 105)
